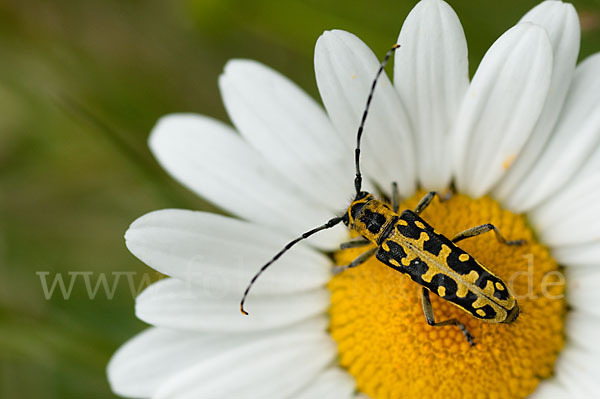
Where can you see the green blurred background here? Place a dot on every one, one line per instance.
(81, 85)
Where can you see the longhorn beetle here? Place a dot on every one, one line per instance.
(406, 243)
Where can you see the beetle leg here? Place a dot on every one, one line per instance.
(428, 311)
(425, 201)
(362, 258)
(355, 243)
(484, 228)
(395, 197)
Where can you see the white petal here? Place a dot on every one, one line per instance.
(271, 368)
(579, 372)
(549, 389)
(209, 158)
(176, 304)
(572, 216)
(288, 127)
(431, 74)
(220, 254)
(582, 289)
(587, 254)
(152, 357)
(582, 329)
(139, 367)
(562, 24)
(332, 383)
(575, 138)
(592, 165)
(501, 106)
(345, 68)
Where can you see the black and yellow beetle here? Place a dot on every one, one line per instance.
(406, 243)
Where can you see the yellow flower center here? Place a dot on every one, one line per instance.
(385, 342)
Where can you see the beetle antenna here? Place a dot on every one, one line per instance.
(331, 223)
(358, 178)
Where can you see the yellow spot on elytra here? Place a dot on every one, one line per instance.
(489, 289)
(419, 224)
(409, 359)
(429, 275)
(462, 291)
(444, 253)
(472, 277)
(508, 161)
(498, 311)
(385, 247)
(422, 238)
(463, 257)
(394, 262)
(480, 312)
(499, 286)
(441, 290)
(402, 222)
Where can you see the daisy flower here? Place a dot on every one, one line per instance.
(519, 142)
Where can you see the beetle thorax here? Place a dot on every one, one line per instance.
(368, 217)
